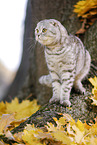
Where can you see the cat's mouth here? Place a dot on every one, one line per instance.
(46, 39)
(42, 40)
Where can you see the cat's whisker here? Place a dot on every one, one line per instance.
(40, 47)
(30, 44)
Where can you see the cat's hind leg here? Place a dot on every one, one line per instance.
(46, 80)
(77, 83)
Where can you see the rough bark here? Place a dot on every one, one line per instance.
(90, 42)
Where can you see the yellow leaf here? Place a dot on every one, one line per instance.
(93, 81)
(83, 7)
(23, 109)
(2, 143)
(69, 118)
(37, 132)
(29, 138)
(86, 126)
(92, 140)
(78, 134)
(60, 123)
(93, 12)
(18, 144)
(16, 123)
(18, 136)
(95, 94)
(94, 90)
(5, 122)
(94, 101)
(2, 109)
(80, 125)
(93, 129)
(9, 135)
(61, 136)
(51, 127)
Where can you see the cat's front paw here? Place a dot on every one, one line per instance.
(54, 99)
(83, 91)
(65, 102)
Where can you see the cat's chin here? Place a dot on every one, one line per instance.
(46, 43)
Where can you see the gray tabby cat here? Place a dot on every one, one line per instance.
(67, 60)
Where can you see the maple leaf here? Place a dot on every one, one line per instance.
(93, 81)
(94, 100)
(18, 136)
(5, 122)
(23, 109)
(14, 113)
(85, 6)
(37, 132)
(86, 10)
(51, 127)
(29, 138)
(78, 135)
(61, 136)
(74, 133)
(2, 109)
(94, 90)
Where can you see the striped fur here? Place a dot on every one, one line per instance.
(67, 60)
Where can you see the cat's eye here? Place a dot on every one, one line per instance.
(37, 30)
(44, 30)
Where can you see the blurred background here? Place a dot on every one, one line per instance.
(12, 17)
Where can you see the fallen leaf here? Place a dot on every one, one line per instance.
(93, 81)
(5, 122)
(23, 109)
(61, 136)
(29, 138)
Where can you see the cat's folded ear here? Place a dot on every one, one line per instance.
(54, 23)
(62, 29)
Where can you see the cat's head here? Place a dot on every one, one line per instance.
(50, 32)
